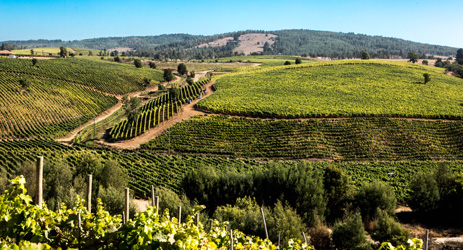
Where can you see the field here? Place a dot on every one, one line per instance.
(48, 108)
(354, 139)
(104, 76)
(339, 89)
(53, 51)
(266, 61)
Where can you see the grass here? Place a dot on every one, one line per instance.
(339, 89)
(265, 60)
(53, 51)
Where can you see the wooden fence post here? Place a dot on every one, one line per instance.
(89, 194)
(265, 223)
(179, 215)
(305, 238)
(231, 239)
(39, 181)
(153, 203)
(156, 202)
(127, 216)
(426, 243)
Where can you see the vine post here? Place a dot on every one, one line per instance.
(126, 210)
(89, 194)
(39, 181)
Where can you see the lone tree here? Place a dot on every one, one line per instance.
(427, 78)
(287, 63)
(152, 65)
(181, 68)
(25, 84)
(425, 62)
(459, 57)
(63, 52)
(365, 55)
(137, 63)
(168, 76)
(298, 61)
(34, 61)
(412, 57)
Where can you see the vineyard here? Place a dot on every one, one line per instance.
(354, 139)
(156, 111)
(104, 76)
(339, 89)
(47, 108)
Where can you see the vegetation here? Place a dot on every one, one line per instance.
(168, 76)
(104, 76)
(412, 57)
(365, 55)
(181, 69)
(367, 88)
(137, 63)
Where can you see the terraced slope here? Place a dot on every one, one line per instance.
(339, 89)
(354, 139)
(104, 76)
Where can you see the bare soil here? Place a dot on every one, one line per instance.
(254, 42)
(216, 43)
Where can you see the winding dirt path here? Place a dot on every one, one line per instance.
(187, 112)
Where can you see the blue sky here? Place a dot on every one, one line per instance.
(425, 21)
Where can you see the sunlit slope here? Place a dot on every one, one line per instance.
(104, 76)
(339, 89)
(48, 108)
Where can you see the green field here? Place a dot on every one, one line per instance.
(266, 61)
(48, 108)
(354, 139)
(53, 51)
(339, 89)
(104, 76)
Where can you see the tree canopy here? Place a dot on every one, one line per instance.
(181, 68)
(412, 57)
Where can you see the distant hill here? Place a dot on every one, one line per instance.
(285, 42)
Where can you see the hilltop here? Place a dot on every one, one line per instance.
(285, 42)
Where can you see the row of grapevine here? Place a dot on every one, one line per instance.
(105, 76)
(47, 108)
(156, 111)
(354, 139)
(339, 89)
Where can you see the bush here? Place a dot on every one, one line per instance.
(190, 81)
(338, 192)
(298, 61)
(424, 195)
(386, 228)
(349, 234)
(365, 55)
(152, 65)
(425, 62)
(137, 63)
(284, 219)
(372, 196)
(287, 63)
(320, 237)
(168, 199)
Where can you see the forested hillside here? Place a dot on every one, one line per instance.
(289, 42)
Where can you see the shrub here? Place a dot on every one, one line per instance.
(298, 61)
(427, 78)
(386, 228)
(137, 63)
(152, 65)
(337, 192)
(287, 63)
(190, 81)
(425, 62)
(320, 237)
(349, 234)
(365, 55)
(372, 196)
(424, 195)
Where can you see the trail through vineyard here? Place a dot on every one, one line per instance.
(188, 110)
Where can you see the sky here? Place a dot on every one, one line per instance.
(425, 21)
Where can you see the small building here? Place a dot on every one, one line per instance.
(6, 53)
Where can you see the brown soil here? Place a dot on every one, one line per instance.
(216, 43)
(248, 42)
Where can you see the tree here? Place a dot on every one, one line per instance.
(34, 61)
(25, 84)
(459, 57)
(32, 52)
(137, 63)
(298, 61)
(350, 234)
(168, 76)
(412, 57)
(152, 65)
(439, 63)
(90, 53)
(181, 68)
(190, 81)
(365, 55)
(287, 63)
(117, 59)
(192, 74)
(427, 78)
(63, 52)
(425, 62)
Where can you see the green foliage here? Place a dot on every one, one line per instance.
(349, 233)
(63, 52)
(152, 65)
(425, 62)
(459, 57)
(298, 61)
(427, 78)
(25, 84)
(137, 63)
(412, 244)
(337, 192)
(23, 224)
(313, 90)
(181, 69)
(373, 196)
(386, 228)
(412, 57)
(365, 55)
(34, 61)
(287, 63)
(192, 74)
(190, 81)
(168, 76)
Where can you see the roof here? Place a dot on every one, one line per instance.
(5, 52)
